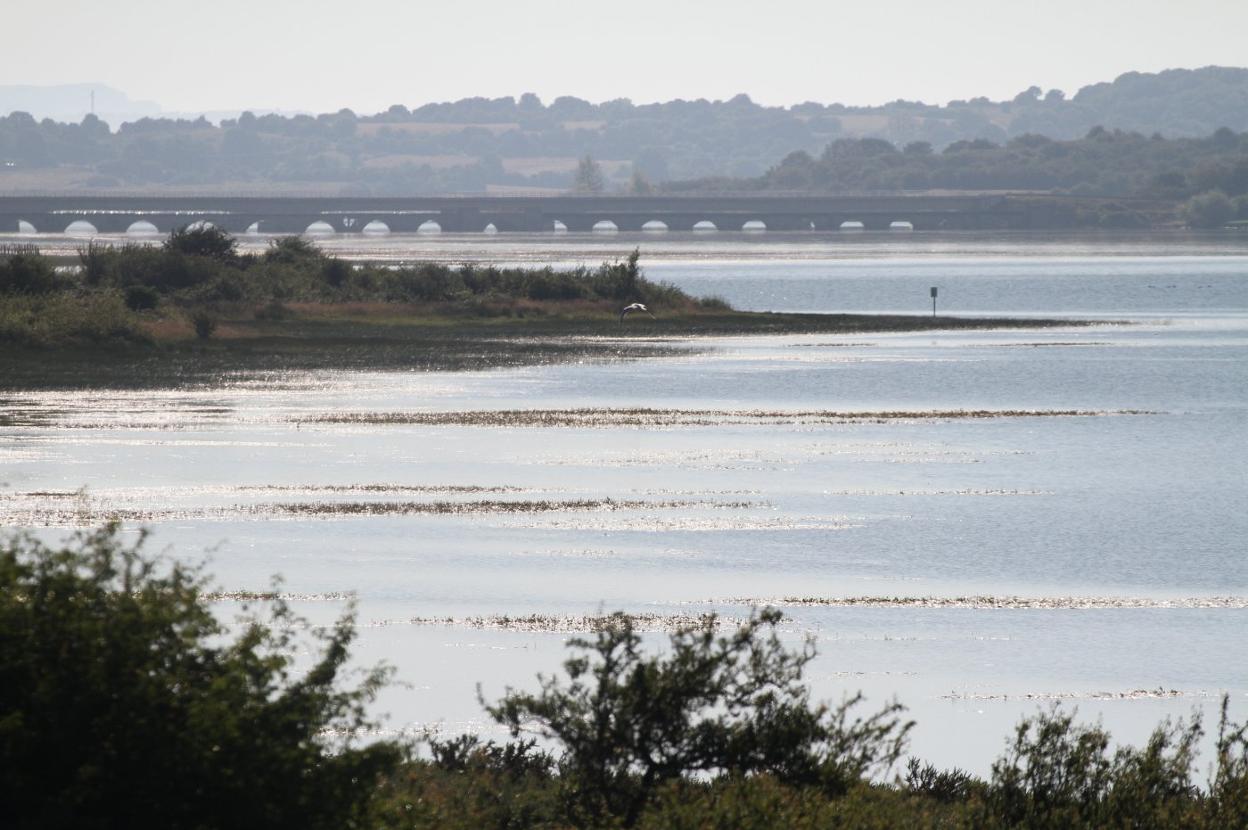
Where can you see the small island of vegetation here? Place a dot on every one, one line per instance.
(196, 306)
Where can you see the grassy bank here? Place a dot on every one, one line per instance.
(100, 344)
(195, 307)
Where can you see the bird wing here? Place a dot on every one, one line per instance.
(629, 309)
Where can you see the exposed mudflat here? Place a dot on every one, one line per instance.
(573, 623)
(645, 417)
(1000, 602)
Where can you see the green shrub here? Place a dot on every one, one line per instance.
(468, 752)
(227, 287)
(141, 298)
(336, 272)
(65, 319)
(28, 274)
(125, 703)
(163, 269)
(1229, 788)
(945, 786)
(1057, 773)
(714, 303)
(205, 324)
(292, 250)
(201, 240)
(733, 705)
(95, 261)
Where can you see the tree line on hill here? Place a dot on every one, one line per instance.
(477, 143)
(1211, 172)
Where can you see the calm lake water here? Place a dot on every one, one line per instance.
(1123, 528)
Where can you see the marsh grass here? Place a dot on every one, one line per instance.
(85, 510)
(276, 596)
(576, 623)
(1160, 693)
(1001, 602)
(602, 418)
(453, 508)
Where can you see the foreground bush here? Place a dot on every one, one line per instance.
(125, 703)
(719, 732)
(1054, 774)
(628, 722)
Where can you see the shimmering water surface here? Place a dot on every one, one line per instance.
(1087, 540)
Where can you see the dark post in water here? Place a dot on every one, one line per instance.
(933, 301)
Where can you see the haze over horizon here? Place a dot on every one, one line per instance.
(312, 56)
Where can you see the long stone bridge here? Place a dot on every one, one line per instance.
(476, 214)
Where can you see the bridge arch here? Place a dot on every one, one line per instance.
(605, 226)
(705, 226)
(25, 228)
(754, 226)
(375, 228)
(429, 226)
(655, 226)
(142, 228)
(80, 227)
(319, 228)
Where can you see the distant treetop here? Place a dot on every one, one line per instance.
(478, 143)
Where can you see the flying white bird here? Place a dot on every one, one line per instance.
(629, 309)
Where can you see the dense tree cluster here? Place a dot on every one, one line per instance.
(476, 143)
(1102, 163)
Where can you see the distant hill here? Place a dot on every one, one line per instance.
(509, 144)
(70, 102)
(1175, 103)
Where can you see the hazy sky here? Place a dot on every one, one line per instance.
(321, 56)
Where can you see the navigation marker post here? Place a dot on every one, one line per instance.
(933, 301)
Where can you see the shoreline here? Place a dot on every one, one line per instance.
(570, 249)
(343, 338)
